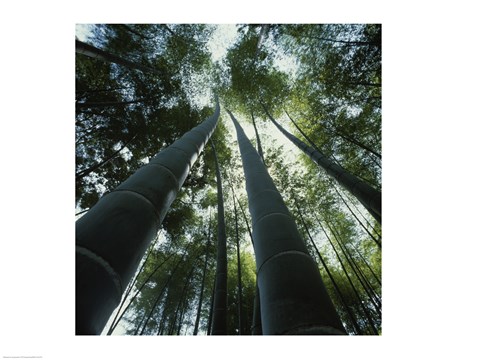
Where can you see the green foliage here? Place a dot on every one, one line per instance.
(334, 96)
(253, 79)
(312, 199)
(247, 264)
(162, 114)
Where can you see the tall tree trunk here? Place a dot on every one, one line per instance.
(162, 291)
(244, 214)
(81, 212)
(182, 316)
(256, 328)
(257, 315)
(293, 298)
(219, 324)
(210, 313)
(96, 53)
(379, 244)
(364, 218)
(92, 105)
(82, 93)
(130, 288)
(334, 131)
(200, 297)
(113, 236)
(162, 322)
(259, 143)
(369, 290)
(334, 283)
(301, 132)
(374, 299)
(367, 195)
(359, 144)
(357, 295)
(369, 267)
(312, 144)
(363, 83)
(117, 320)
(239, 275)
(182, 299)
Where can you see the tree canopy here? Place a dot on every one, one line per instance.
(139, 88)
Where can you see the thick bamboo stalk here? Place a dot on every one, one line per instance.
(219, 321)
(113, 236)
(239, 275)
(325, 266)
(256, 328)
(96, 53)
(259, 143)
(200, 297)
(293, 298)
(367, 195)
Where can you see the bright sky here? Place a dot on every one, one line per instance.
(223, 37)
(221, 40)
(82, 31)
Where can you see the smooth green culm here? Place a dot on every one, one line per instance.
(367, 195)
(293, 298)
(219, 321)
(114, 235)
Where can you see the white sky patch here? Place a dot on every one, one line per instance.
(117, 146)
(201, 95)
(222, 38)
(82, 31)
(282, 61)
(126, 154)
(286, 64)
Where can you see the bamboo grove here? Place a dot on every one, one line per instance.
(230, 194)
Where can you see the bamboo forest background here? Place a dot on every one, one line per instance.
(139, 88)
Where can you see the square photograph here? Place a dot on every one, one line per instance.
(228, 179)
